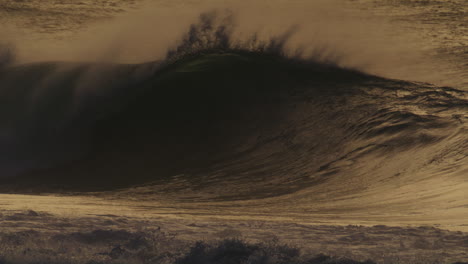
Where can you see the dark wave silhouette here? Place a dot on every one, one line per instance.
(218, 112)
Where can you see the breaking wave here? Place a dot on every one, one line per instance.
(228, 120)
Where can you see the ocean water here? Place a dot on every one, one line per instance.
(278, 120)
(441, 24)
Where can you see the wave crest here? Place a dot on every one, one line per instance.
(215, 33)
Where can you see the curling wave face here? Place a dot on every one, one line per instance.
(233, 110)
